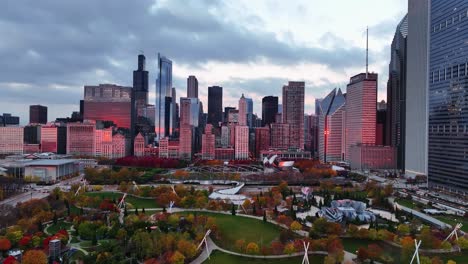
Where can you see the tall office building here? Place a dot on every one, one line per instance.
(269, 109)
(163, 105)
(208, 143)
(361, 107)
(37, 114)
(396, 93)
(227, 109)
(49, 138)
(250, 120)
(108, 102)
(192, 87)
(448, 95)
(80, 138)
(9, 120)
(32, 134)
(242, 111)
(140, 85)
(417, 88)
(280, 136)
(262, 140)
(331, 127)
(310, 133)
(186, 141)
(293, 112)
(215, 105)
(11, 140)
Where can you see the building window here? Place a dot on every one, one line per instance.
(448, 73)
(455, 71)
(462, 70)
(431, 77)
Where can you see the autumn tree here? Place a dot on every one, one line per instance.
(5, 244)
(240, 245)
(252, 248)
(289, 248)
(34, 257)
(177, 258)
(295, 226)
(188, 249)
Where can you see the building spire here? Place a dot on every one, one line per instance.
(367, 52)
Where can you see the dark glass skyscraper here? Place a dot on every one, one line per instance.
(163, 119)
(215, 105)
(140, 83)
(269, 109)
(37, 114)
(396, 93)
(448, 95)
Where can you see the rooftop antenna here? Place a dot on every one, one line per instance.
(367, 52)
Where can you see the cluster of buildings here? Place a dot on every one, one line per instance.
(420, 130)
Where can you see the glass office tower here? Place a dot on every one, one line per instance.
(448, 95)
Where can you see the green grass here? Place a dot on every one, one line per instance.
(407, 203)
(453, 220)
(59, 226)
(135, 201)
(218, 257)
(233, 228)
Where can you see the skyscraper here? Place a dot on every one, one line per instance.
(242, 111)
(163, 120)
(11, 140)
(37, 114)
(361, 107)
(396, 93)
(80, 138)
(140, 84)
(249, 102)
(208, 143)
(293, 112)
(227, 109)
(215, 105)
(192, 87)
(448, 95)
(331, 127)
(262, 140)
(417, 88)
(269, 109)
(241, 146)
(108, 102)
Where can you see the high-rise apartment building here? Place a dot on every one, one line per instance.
(241, 146)
(37, 114)
(361, 107)
(192, 87)
(163, 106)
(186, 141)
(215, 105)
(293, 112)
(331, 127)
(396, 93)
(448, 95)
(269, 109)
(11, 140)
(108, 102)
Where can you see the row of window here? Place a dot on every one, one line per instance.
(456, 71)
(450, 21)
(449, 129)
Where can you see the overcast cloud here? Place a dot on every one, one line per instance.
(50, 49)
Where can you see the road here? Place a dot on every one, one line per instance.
(38, 192)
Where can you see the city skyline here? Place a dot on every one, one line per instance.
(255, 75)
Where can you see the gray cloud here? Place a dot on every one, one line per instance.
(73, 43)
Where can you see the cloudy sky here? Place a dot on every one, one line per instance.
(50, 49)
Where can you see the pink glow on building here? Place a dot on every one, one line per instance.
(80, 138)
(224, 153)
(31, 148)
(49, 138)
(242, 142)
(366, 157)
(11, 140)
(139, 145)
(242, 111)
(208, 143)
(185, 144)
(361, 105)
(280, 136)
(262, 140)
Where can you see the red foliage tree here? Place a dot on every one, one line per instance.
(24, 241)
(5, 244)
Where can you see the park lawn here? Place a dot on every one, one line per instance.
(53, 229)
(135, 201)
(233, 228)
(218, 257)
(453, 220)
(406, 202)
